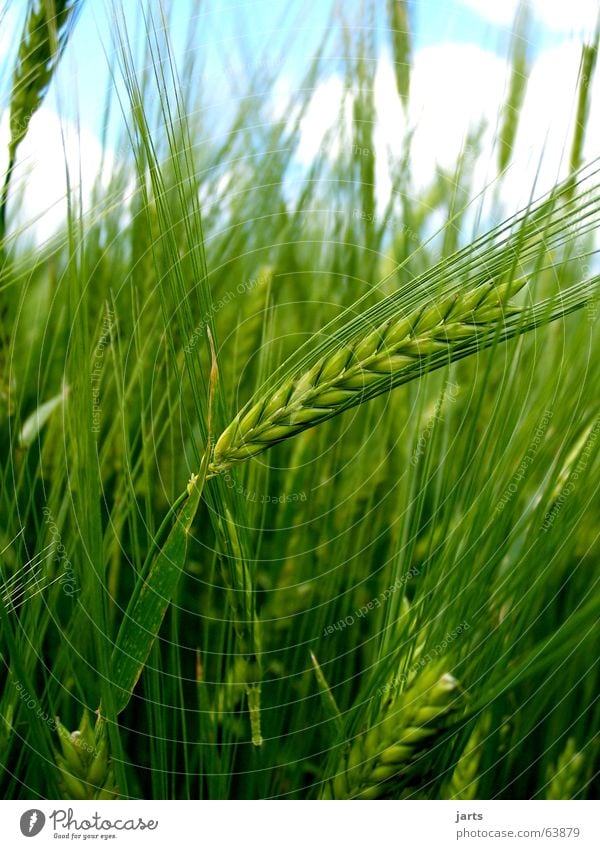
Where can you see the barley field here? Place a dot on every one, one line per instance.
(299, 403)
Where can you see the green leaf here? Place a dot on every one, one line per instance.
(151, 598)
(36, 421)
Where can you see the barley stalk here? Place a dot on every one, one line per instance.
(388, 759)
(369, 365)
(43, 39)
(237, 579)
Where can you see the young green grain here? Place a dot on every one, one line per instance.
(567, 776)
(464, 780)
(367, 366)
(327, 697)
(83, 762)
(401, 45)
(42, 42)
(589, 56)
(516, 93)
(389, 758)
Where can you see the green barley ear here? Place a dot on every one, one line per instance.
(589, 56)
(47, 28)
(249, 334)
(367, 366)
(83, 761)
(6, 732)
(401, 46)
(389, 759)
(576, 460)
(363, 125)
(567, 777)
(518, 83)
(464, 781)
(328, 699)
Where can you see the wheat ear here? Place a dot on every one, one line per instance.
(367, 366)
(388, 759)
(43, 39)
(399, 23)
(84, 762)
(464, 780)
(567, 776)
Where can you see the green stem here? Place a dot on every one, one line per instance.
(4, 195)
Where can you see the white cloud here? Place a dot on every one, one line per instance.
(453, 88)
(547, 121)
(40, 180)
(447, 99)
(321, 116)
(574, 16)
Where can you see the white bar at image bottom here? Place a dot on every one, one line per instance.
(306, 825)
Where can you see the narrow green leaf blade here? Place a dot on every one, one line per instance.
(150, 601)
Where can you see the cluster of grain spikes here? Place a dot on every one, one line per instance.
(390, 759)
(84, 762)
(398, 349)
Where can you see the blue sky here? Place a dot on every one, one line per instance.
(459, 75)
(237, 34)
